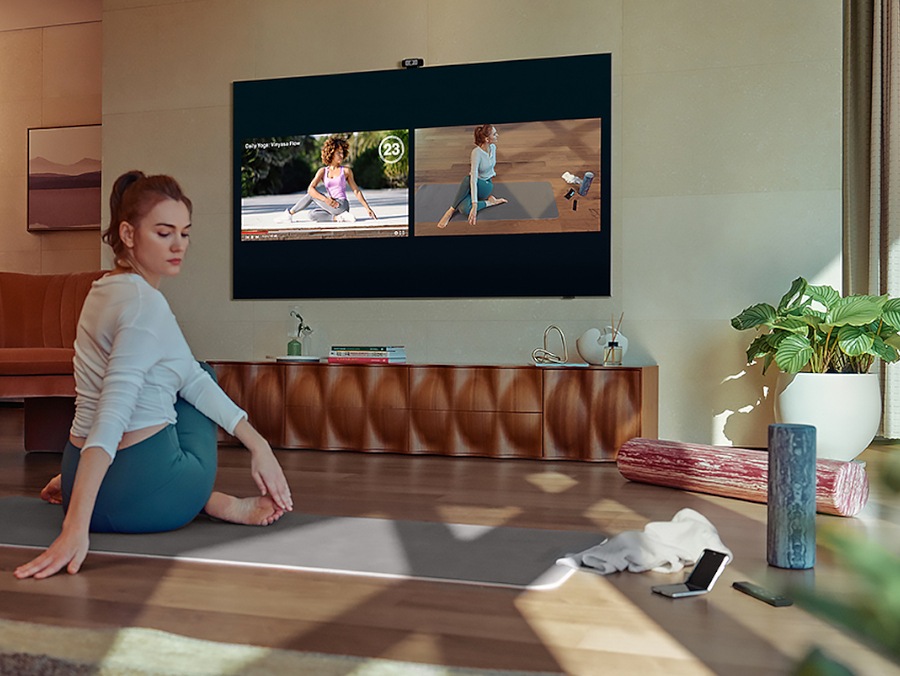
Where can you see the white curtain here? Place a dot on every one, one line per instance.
(871, 182)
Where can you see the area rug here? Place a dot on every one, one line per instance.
(28, 649)
(527, 201)
(522, 558)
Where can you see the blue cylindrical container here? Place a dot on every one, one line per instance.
(791, 523)
(586, 183)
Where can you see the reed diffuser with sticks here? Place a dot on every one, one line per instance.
(612, 353)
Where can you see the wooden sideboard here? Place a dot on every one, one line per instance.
(495, 411)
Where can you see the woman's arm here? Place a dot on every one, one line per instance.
(71, 547)
(315, 194)
(202, 391)
(356, 191)
(473, 186)
(264, 467)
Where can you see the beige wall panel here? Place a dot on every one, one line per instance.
(306, 38)
(15, 119)
(19, 250)
(683, 35)
(703, 402)
(192, 144)
(72, 75)
(216, 339)
(176, 56)
(737, 249)
(20, 261)
(72, 61)
(75, 260)
(749, 143)
(113, 5)
(72, 110)
(20, 65)
(71, 241)
(471, 31)
(13, 215)
(18, 14)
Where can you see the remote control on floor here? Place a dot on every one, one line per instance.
(762, 594)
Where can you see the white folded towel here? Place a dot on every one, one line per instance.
(663, 546)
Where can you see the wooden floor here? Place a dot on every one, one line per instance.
(591, 625)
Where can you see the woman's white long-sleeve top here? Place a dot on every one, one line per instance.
(132, 361)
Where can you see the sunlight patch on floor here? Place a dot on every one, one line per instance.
(551, 482)
(489, 516)
(181, 594)
(592, 619)
(607, 513)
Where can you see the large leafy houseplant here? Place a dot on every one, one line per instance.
(816, 329)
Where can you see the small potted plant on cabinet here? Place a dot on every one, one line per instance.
(824, 344)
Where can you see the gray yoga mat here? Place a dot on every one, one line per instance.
(497, 556)
(527, 201)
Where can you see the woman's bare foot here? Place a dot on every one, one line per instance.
(494, 201)
(52, 492)
(256, 511)
(446, 217)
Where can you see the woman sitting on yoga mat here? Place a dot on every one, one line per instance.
(475, 190)
(142, 449)
(332, 205)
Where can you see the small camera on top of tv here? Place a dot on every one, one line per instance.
(412, 63)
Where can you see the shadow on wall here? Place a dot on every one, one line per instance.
(746, 408)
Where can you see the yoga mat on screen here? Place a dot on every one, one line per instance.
(527, 201)
(498, 556)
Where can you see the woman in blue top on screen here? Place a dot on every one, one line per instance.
(331, 205)
(141, 455)
(474, 193)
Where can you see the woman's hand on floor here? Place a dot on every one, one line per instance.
(66, 551)
(264, 467)
(270, 479)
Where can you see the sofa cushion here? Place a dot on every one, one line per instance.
(36, 361)
(42, 310)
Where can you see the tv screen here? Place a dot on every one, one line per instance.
(359, 185)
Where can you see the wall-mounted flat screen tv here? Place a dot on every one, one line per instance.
(359, 185)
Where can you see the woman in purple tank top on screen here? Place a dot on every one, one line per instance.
(331, 205)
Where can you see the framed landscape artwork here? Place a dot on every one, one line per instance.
(64, 178)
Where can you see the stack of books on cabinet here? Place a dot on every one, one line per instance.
(367, 354)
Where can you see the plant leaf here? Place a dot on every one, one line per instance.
(855, 340)
(885, 350)
(753, 316)
(793, 297)
(826, 295)
(794, 353)
(758, 348)
(854, 310)
(798, 325)
(891, 312)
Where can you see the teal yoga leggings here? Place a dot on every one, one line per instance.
(159, 484)
(463, 200)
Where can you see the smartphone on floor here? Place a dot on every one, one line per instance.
(707, 570)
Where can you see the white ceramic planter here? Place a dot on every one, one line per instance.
(845, 409)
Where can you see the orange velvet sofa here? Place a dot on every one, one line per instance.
(38, 318)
